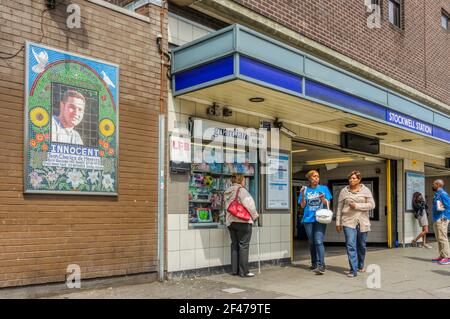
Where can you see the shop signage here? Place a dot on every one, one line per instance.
(277, 181)
(71, 131)
(206, 130)
(180, 149)
(409, 122)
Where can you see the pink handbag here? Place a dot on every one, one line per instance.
(237, 209)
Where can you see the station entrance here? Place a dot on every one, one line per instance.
(334, 165)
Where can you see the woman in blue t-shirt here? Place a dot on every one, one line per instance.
(312, 199)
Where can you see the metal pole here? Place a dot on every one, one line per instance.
(389, 202)
(257, 243)
(161, 211)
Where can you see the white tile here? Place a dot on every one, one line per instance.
(226, 255)
(216, 238)
(216, 257)
(201, 258)
(254, 236)
(173, 240)
(266, 219)
(286, 234)
(171, 105)
(184, 224)
(187, 259)
(171, 120)
(183, 125)
(275, 220)
(265, 252)
(253, 253)
(275, 250)
(187, 239)
(285, 250)
(173, 222)
(173, 260)
(275, 234)
(285, 219)
(226, 238)
(265, 235)
(201, 238)
(176, 103)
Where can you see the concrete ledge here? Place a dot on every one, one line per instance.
(121, 10)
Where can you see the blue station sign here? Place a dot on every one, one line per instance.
(408, 122)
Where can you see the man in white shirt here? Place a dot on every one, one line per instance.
(71, 112)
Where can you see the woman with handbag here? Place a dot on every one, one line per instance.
(241, 212)
(420, 212)
(355, 202)
(312, 199)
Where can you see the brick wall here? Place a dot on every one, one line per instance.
(41, 234)
(418, 56)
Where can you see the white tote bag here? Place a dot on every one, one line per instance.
(324, 216)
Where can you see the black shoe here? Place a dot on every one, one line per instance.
(313, 268)
(320, 270)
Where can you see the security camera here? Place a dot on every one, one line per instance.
(227, 112)
(159, 36)
(213, 110)
(284, 129)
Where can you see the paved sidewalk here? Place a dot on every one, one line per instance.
(405, 273)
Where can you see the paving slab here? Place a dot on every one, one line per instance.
(405, 273)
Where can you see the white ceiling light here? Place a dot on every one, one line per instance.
(372, 159)
(299, 151)
(330, 161)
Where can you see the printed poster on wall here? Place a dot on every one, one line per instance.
(277, 181)
(71, 123)
(415, 182)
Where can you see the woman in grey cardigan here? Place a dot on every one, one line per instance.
(355, 202)
(240, 230)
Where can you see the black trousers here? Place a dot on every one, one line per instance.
(240, 234)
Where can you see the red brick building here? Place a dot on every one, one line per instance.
(416, 53)
(40, 235)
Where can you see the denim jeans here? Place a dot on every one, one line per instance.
(355, 242)
(316, 233)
